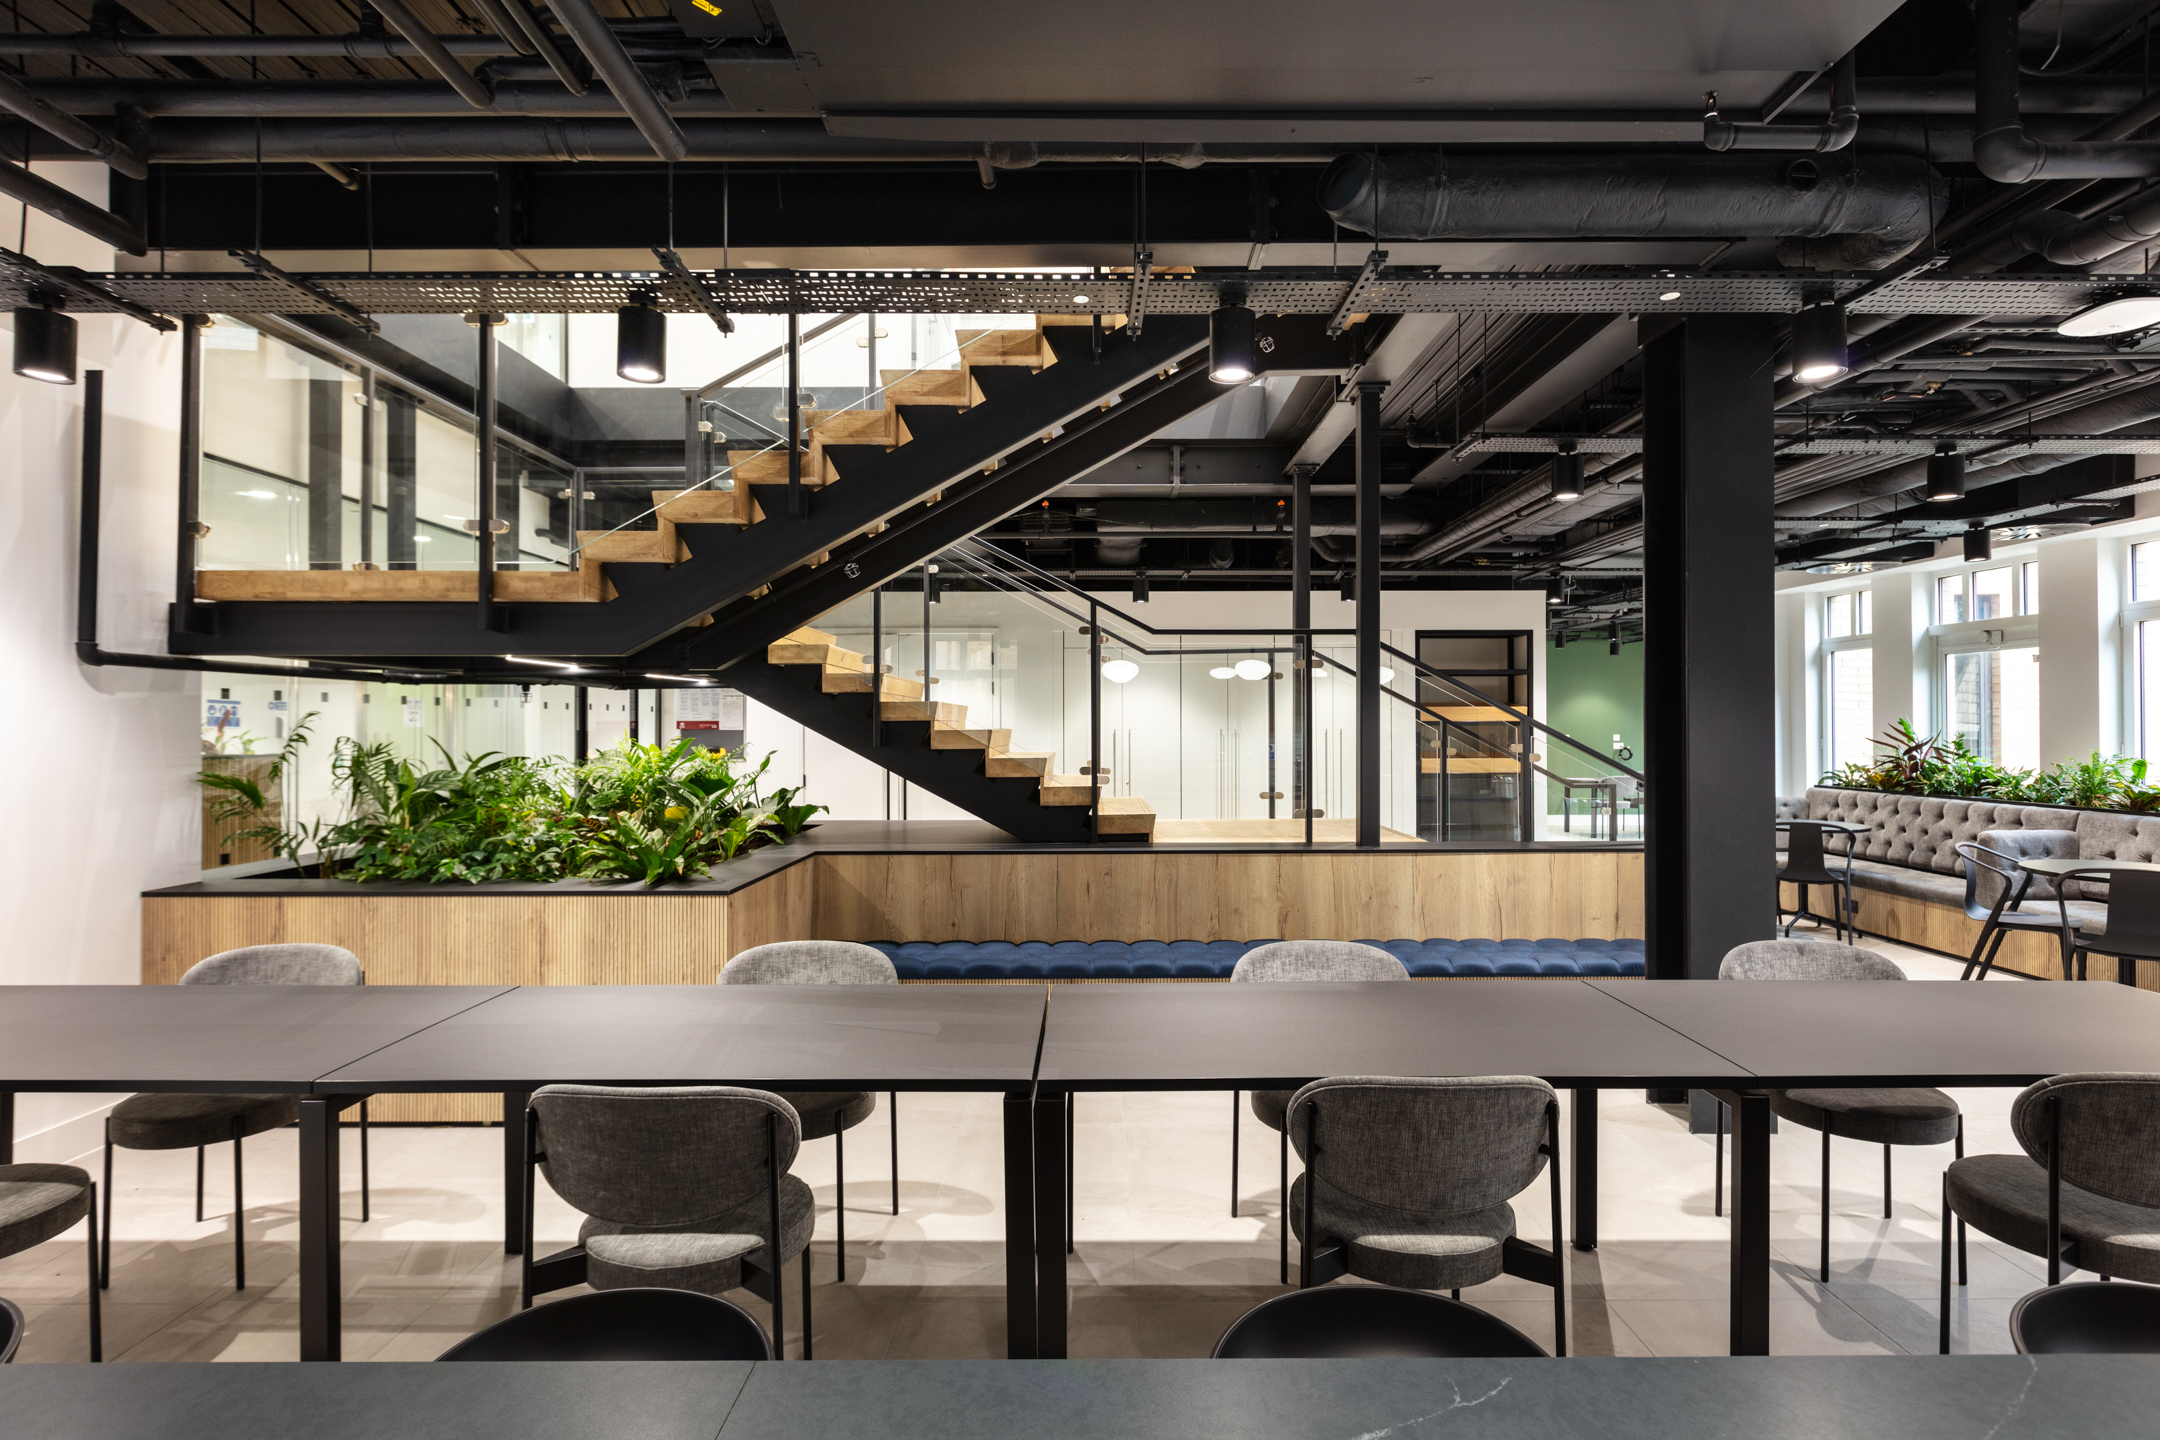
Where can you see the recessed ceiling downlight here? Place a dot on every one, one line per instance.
(2113, 316)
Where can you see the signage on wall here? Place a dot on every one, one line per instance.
(703, 709)
(413, 720)
(221, 714)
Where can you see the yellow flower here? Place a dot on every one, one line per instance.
(676, 812)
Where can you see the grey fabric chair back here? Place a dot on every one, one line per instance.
(1804, 960)
(288, 964)
(810, 962)
(2110, 1131)
(1438, 1147)
(2133, 914)
(659, 1157)
(1318, 960)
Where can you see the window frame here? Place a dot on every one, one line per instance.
(1827, 647)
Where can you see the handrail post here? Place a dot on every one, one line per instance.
(367, 468)
(795, 505)
(1301, 656)
(190, 521)
(490, 615)
(877, 667)
(1522, 752)
(1447, 809)
(1368, 612)
(1095, 718)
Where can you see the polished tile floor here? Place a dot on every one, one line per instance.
(1162, 1265)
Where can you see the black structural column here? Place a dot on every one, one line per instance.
(401, 480)
(326, 475)
(1368, 613)
(190, 531)
(1707, 562)
(490, 614)
(1301, 648)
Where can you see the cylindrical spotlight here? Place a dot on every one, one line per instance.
(641, 343)
(1946, 473)
(1567, 473)
(1349, 586)
(1233, 352)
(1140, 588)
(1818, 342)
(45, 345)
(1613, 634)
(1559, 640)
(1980, 544)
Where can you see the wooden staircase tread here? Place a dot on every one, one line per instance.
(586, 586)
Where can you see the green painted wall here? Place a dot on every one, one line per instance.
(1592, 695)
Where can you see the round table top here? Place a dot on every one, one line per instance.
(2063, 865)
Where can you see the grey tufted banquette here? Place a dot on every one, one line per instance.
(1909, 848)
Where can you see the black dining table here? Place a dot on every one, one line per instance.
(1736, 1039)
(1961, 1397)
(333, 1046)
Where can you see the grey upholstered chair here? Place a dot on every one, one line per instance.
(1407, 1182)
(1887, 1116)
(682, 1188)
(2086, 1190)
(178, 1122)
(38, 1202)
(827, 1112)
(1297, 960)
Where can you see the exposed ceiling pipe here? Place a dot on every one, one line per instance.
(299, 47)
(613, 64)
(1861, 212)
(2065, 239)
(500, 137)
(2001, 148)
(439, 59)
(2117, 412)
(177, 99)
(500, 20)
(70, 209)
(69, 130)
(546, 45)
(339, 173)
(1844, 123)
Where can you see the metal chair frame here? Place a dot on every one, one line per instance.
(2007, 913)
(2129, 937)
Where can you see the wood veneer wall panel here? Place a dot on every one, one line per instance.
(1947, 928)
(780, 907)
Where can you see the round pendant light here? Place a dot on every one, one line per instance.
(45, 345)
(641, 342)
(1946, 473)
(1233, 351)
(1117, 672)
(1253, 669)
(1818, 342)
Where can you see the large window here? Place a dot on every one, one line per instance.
(1848, 677)
(1995, 592)
(1993, 702)
(1851, 613)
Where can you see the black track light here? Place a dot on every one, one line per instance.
(1349, 587)
(1818, 342)
(1140, 588)
(641, 342)
(1612, 633)
(1946, 472)
(45, 344)
(1567, 473)
(933, 587)
(1980, 544)
(1559, 640)
(1233, 350)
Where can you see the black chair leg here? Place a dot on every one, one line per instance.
(363, 1163)
(198, 1183)
(805, 1301)
(1826, 1205)
(892, 1102)
(1961, 1220)
(1071, 1121)
(97, 1313)
(1943, 1338)
(239, 1226)
(839, 1160)
(1886, 1182)
(1993, 951)
(105, 1238)
(1717, 1183)
(1234, 1127)
(1284, 1208)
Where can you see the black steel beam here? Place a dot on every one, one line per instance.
(1369, 395)
(1710, 751)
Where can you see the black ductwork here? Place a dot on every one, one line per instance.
(2066, 239)
(2002, 149)
(1859, 212)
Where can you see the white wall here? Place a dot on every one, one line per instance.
(102, 803)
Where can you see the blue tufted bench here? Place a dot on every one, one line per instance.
(1214, 959)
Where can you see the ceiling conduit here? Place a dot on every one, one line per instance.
(2002, 149)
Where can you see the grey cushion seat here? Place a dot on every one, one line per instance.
(2006, 1196)
(37, 1202)
(181, 1122)
(1403, 1247)
(1910, 1116)
(704, 1255)
(1268, 1106)
(828, 1112)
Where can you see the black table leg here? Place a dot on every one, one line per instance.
(1019, 1226)
(1050, 1107)
(319, 1231)
(1750, 1277)
(1585, 1160)
(514, 1102)
(7, 1127)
